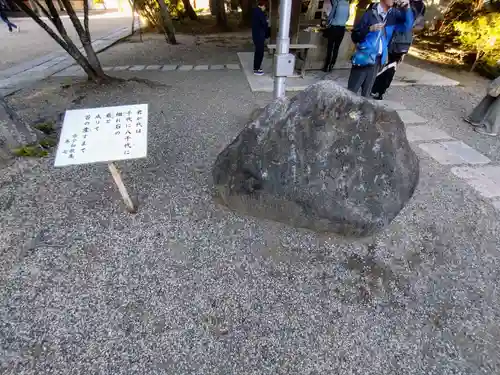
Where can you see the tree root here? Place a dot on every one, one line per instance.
(147, 82)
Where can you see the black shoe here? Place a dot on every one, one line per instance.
(377, 96)
(325, 69)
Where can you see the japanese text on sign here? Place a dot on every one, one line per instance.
(103, 134)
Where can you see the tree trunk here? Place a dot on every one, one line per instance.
(246, 12)
(213, 7)
(189, 10)
(34, 7)
(274, 20)
(14, 132)
(62, 39)
(221, 15)
(312, 9)
(478, 5)
(294, 20)
(168, 25)
(474, 64)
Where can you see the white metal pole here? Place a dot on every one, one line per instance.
(283, 43)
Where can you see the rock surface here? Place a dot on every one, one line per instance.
(325, 159)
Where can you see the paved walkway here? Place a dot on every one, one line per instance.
(32, 42)
(406, 75)
(22, 74)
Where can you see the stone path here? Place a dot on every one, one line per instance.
(478, 171)
(75, 70)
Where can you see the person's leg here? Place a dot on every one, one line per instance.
(338, 36)
(357, 77)
(492, 120)
(258, 55)
(480, 111)
(329, 48)
(371, 75)
(384, 79)
(5, 19)
(388, 75)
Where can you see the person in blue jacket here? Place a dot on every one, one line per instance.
(335, 30)
(260, 32)
(373, 32)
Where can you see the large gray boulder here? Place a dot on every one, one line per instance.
(325, 159)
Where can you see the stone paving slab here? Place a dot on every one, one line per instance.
(423, 133)
(185, 68)
(485, 180)
(120, 68)
(168, 68)
(216, 67)
(201, 67)
(233, 66)
(410, 117)
(153, 67)
(137, 67)
(453, 153)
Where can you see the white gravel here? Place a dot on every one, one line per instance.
(186, 287)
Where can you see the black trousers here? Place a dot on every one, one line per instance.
(334, 35)
(259, 53)
(363, 77)
(384, 80)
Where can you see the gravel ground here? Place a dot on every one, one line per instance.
(187, 287)
(205, 49)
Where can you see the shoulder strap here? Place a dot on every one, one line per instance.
(380, 20)
(377, 16)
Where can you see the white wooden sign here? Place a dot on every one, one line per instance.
(107, 134)
(103, 135)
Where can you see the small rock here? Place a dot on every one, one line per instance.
(326, 160)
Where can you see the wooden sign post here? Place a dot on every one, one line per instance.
(104, 135)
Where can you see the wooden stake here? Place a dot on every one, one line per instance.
(121, 187)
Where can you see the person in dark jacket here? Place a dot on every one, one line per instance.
(373, 31)
(398, 47)
(5, 19)
(260, 32)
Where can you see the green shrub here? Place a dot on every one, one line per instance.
(480, 36)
